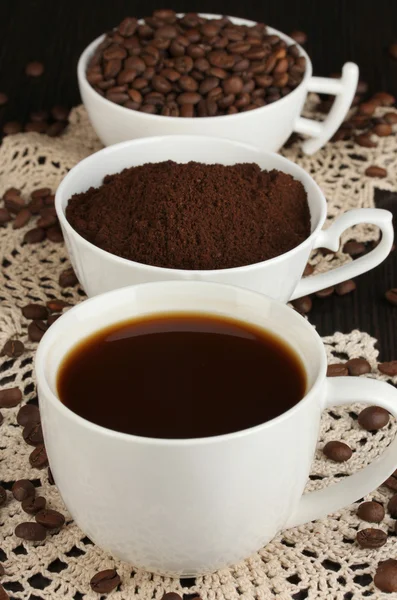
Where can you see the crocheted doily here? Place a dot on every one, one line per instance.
(317, 560)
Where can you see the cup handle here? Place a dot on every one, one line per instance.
(318, 504)
(330, 238)
(344, 90)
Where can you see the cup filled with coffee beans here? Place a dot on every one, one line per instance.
(204, 74)
(181, 419)
(198, 208)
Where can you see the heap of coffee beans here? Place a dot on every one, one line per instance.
(191, 66)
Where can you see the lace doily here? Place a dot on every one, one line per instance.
(317, 560)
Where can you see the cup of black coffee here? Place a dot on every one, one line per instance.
(181, 418)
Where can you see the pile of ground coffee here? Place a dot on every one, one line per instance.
(193, 216)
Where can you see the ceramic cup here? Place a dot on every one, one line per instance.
(99, 271)
(268, 127)
(188, 507)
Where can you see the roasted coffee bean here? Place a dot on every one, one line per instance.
(337, 451)
(366, 108)
(13, 348)
(3, 594)
(1, 418)
(34, 69)
(10, 397)
(386, 576)
(365, 141)
(372, 512)
(391, 482)
(3, 496)
(303, 304)
(33, 505)
(14, 204)
(34, 236)
(60, 113)
(36, 330)
(28, 414)
(33, 434)
(50, 519)
(22, 218)
(382, 129)
(105, 582)
(337, 370)
(309, 270)
(384, 99)
(31, 531)
(371, 538)
(325, 292)
(3, 98)
(12, 127)
(38, 457)
(391, 296)
(374, 171)
(57, 305)
(299, 36)
(373, 418)
(390, 117)
(354, 248)
(345, 287)
(36, 205)
(55, 129)
(358, 366)
(52, 318)
(11, 193)
(36, 127)
(388, 368)
(68, 278)
(35, 311)
(392, 506)
(22, 489)
(54, 234)
(171, 596)
(5, 216)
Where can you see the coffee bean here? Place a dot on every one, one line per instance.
(384, 99)
(372, 512)
(3, 98)
(391, 296)
(105, 582)
(68, 278)
(57, 305)
(28, 414)
(11, 193)
(5, 216)
(299, 36)
(325, 292)
(38, 457)
(40, 193)
(10, 397)
(33, 505)
(374, 171)
(50, 519)
(60, 113)
(358, 366)
(303, 305)
(34, 236)
(371, 538)
(337, 451)
(3, 496)
(354, 248)
(391, 482)
(365, 141)
(309, 269)
(345, 287)
(382, 129)
(3, 594)
(13, 348)
(22, 218)
(1, 418)
(34, 69)
(337, 370)
(36, 330)
(33, 434)
(373, 418)
(36, 205)
(55, 129)
(12, 127)
(390, 117)
(34, 311)
(386, 576)
(22, 489)
(31, 531)
(52, 318)
(367, 108)
(392, 506)
(54, 234)
(388, 368)
(14, 204)
(171, 596)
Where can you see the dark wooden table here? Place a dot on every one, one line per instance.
(338, 30)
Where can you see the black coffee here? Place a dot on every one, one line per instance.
(181, 376)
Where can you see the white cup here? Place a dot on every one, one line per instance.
(99, 271)
(191, 506)
(268, 127)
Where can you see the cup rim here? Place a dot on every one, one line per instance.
(106, 298)
(89, 50)
(62, 192)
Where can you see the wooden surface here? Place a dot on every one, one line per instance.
(338, 30)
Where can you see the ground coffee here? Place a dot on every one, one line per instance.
(193, 216)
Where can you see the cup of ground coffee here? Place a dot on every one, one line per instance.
(181, 419)
(206, 75)
(227, 222)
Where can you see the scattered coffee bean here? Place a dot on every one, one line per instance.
(3, 98)
(171, 596)
(337, 451)
(386, 576)
(345, 287)
(337, 370)
(60, 113)
(375, 171)
(12, 127)
(34, 69)
(303, 305)
(325, 292)
(13, 348)
(14, 203)
(28, 414)
(22, 218)
(57, 305)
(358, 366)
(52, 318)
(365, 140)
(34, 236)
(384, 99)
(36, 205)
(373, 418)
(33, 505)
(3, 594)
(50, 519)
(36, 330)
(51, 480)
(105, 581)
(392, 506)
(391, 482)
(38, 458)
(40, 193)
(390, 117)
(31, 531)
(55, 129)
(22, 489)
(1, 418)
(54, 234)
(372, 512)
(391, 296)
(382, 129)
(354, 248)
(371, 538)
(309, 269)
(10, 397)
(388, 368)
(3, 496)
(68, 278)
(33, 434)
(5, 216)
(35, 311)
(299, 36)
